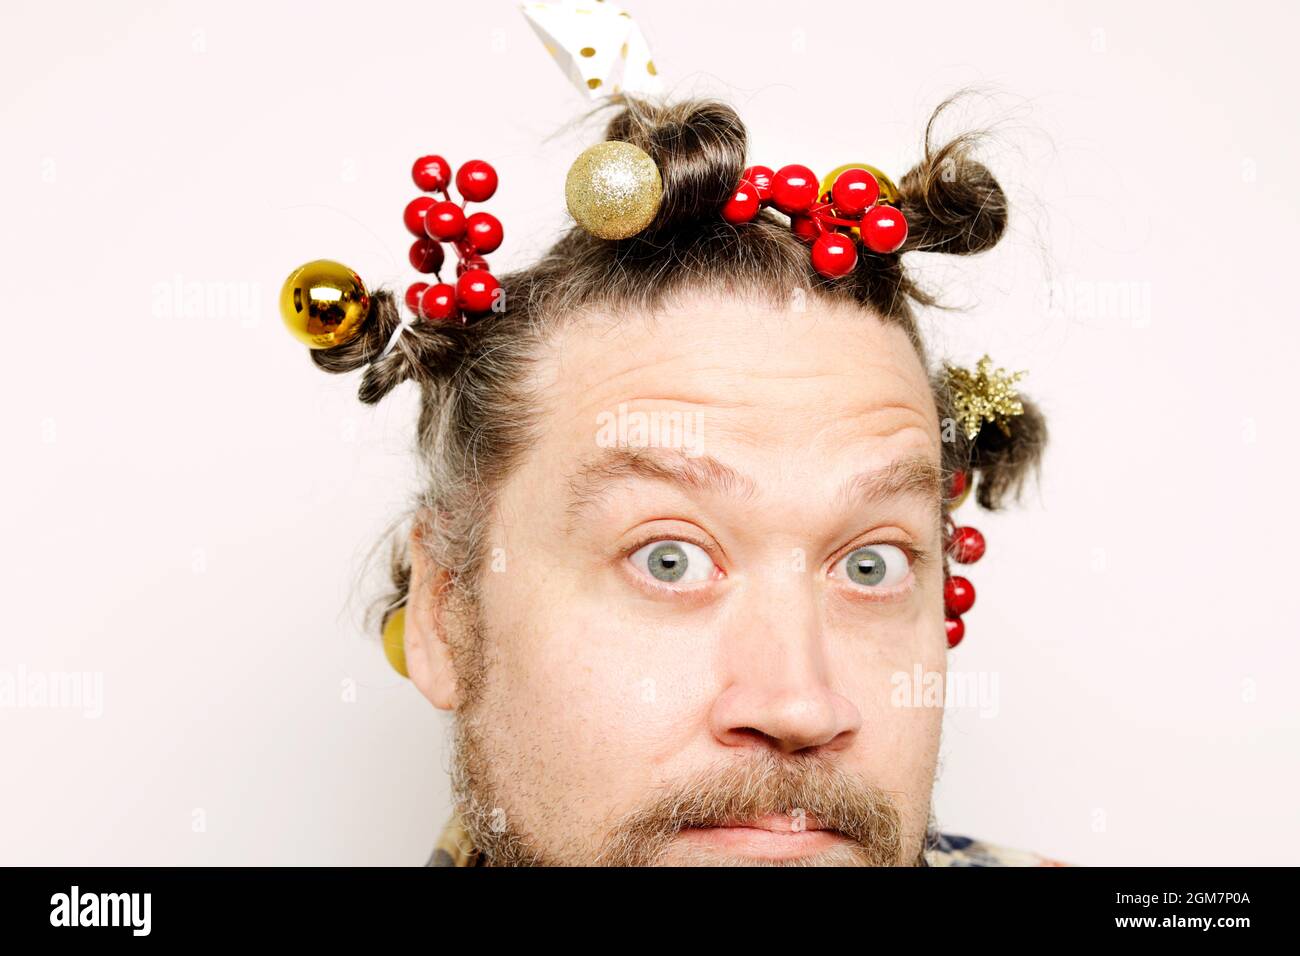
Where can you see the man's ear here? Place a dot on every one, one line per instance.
(428, 654)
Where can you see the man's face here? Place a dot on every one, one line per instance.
(686, 652)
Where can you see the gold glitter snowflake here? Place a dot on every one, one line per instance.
(984, 395)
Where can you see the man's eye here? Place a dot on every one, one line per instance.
(876, 566)
(674, 562)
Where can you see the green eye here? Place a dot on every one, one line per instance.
(877, 565)
(668, 562)
(673, 562)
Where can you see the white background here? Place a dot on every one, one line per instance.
(188, 504)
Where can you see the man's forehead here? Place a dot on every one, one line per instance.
(757, 375)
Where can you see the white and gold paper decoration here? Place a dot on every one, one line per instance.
(598, 45)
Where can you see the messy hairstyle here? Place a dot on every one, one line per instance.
(474, 418)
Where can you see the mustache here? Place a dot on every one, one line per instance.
(808, 789)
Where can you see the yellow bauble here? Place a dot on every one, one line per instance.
(613, 190)
(395, 640)
(324, 304)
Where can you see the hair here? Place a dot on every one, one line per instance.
(474, 422)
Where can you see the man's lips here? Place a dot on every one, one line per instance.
(776, 823)
(775, 836)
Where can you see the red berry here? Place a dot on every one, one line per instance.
(854, 191)
(955, 630)
(477, 290)
(883, 229)
(967, 546)
(805, 226)
(957, 485)
(413, 293)
(834, 254)
(743, 204)
(431, 173)
(426, 255)
(958, 595)
(445, 221)
(484, 231)
(794, 189)
(438, 302)
(476, 181)
(470, 262)
(415, 212)
(760, 177)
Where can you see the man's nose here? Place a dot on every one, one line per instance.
(778, 691)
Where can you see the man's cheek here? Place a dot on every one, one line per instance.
(634, 703)
(598, 671)
(901, 745)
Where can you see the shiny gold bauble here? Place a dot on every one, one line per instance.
(324, 304)
(614, 190)
(395, 640)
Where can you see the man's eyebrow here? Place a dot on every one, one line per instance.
(914, 476)
(698, 472)
(911, 477)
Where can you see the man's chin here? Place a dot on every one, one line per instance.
(751, 846)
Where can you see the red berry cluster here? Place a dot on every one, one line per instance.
(965, 546)
(435, 221)
(852, 203)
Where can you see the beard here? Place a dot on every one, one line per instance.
(806, 788)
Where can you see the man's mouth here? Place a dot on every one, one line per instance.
(774, 837)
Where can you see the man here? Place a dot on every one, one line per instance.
(684, 523)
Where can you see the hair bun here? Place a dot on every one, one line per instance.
(1005, 461)
(951, 201)
(423, 351)
(699, 147)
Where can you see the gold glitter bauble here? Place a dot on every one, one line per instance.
(395, 640)
(324, 304)
(613, 190)
(984, 395)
